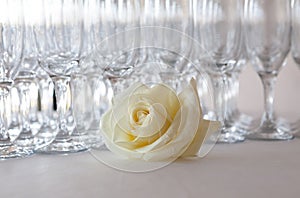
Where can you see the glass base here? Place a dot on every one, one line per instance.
(293, 127)
(91, 140)
(230, 137)
(27, 140)
(14, 130)
(63, 147)
(241, 123)
(35, 126)
(269, 132)
(297, 135)
(34, 143)
(283, 125)
(45, 135)
(248, 125)
(12, 151)
(235, 128)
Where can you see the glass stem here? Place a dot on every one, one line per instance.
(96, 105)
(61, 84)
(33, 109)
(45, 91)
(235, 92)
(4, 136)
(228, 97)
(94, 82)
(268, 84)
(78, 83)
(219, 84)
(24, 92)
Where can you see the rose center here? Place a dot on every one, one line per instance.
(139, 116)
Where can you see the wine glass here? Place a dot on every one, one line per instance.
(219, 30)
(32, 133)
(59, 40)
(268, 43)
(11, 48)
(238, 121)
(296, 46)
(103, 20)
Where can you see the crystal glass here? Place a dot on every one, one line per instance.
(11, 48)
(239, 122)
(106, 20)
(268, 43)
(218, 27)
(59, 42)
(296, 47)
(32, 134)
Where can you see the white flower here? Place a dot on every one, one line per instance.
(154, 123)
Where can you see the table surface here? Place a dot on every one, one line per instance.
(249, 169)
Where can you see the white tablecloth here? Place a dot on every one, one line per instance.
(250, 169)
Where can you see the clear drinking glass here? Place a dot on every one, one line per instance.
(268, 43)
(43, 83)
(296, 47)
(106, 20)
(59, 41)
(219, 30)
(235, 119)
(11, 48)
(238, 121)
(32, 134)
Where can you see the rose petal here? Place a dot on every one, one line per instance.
(154, 123)
(165, 138)
(205, 127)
(159, 93)
(119, 98)
(118, 136)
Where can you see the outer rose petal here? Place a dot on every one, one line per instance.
(205, 127)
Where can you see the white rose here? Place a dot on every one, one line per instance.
(154, 123)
